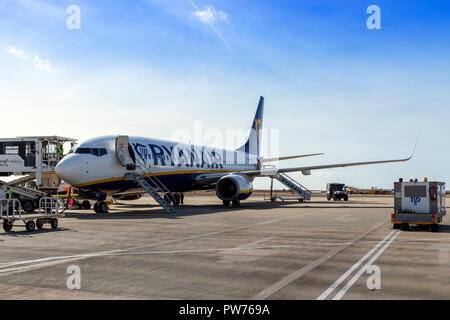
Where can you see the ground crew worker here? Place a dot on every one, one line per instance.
(10, 194)
(182, 197)
(61, 150)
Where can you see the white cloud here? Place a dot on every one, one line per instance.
(210, 15)
(39, 63)
(43, 64)
(18, 53)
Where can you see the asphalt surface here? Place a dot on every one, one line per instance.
(261, 250)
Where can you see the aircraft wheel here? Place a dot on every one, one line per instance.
(30, 226)
(236, 203)
(345, 198)
(100, 207)
(176, 199)
(103, 207)
(396, 226)
(300, 200)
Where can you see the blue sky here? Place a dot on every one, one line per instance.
(151, 67)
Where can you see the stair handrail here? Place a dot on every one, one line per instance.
(294, 181)
(159, 185)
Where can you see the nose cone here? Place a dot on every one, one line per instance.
(68, 170)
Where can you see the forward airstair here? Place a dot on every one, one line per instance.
(142, 175)
(151, 190)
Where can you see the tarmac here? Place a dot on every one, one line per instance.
(261, 250)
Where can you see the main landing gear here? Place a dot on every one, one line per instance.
(234, 203)
(100, 207)
(173, 199)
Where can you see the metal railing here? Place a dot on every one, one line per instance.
(295, 182)
(147, 173)
(10, 208)
(51, 206)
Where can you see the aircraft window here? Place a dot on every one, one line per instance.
(98, 152)
(83, 150)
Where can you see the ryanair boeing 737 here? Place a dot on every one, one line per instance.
(113, 165)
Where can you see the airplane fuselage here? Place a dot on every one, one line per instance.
(94, 165)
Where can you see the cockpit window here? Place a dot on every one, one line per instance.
(98, 152)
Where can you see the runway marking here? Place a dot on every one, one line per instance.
(346, 218)
(248, 252)
(325, 294)
(305, 269)
(51, 261)
(349, 284)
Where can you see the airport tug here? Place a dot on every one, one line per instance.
(418, 202)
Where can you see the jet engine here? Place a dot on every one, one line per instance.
(234, 187)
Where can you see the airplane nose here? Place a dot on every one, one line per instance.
(66, 170)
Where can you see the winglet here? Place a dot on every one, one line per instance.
(414, 149)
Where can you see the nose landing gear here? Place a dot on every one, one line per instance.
(100, 207)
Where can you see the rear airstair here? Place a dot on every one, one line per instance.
(302, 192)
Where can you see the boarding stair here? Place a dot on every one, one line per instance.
(150, 183)
(295, 186)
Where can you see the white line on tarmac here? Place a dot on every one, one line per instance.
(349, 284)
(266, 293)
(39, 263)
(51, 261)
(325, 294)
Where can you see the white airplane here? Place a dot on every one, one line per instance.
(98, 167)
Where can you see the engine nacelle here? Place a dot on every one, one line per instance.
(234, 187)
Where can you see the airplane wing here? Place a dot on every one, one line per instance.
(272, 171)
(211, 178)
(289, 157)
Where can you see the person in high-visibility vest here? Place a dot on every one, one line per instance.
(61, 150)
(10, 194)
